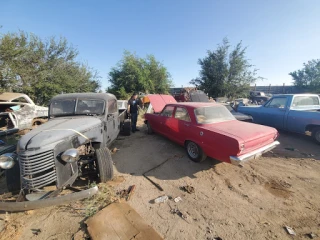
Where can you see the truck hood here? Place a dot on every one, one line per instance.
(249, 134)
(56, 130)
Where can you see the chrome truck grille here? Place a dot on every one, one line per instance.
(37, 170)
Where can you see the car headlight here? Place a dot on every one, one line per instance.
(7, 160)
(70, 156)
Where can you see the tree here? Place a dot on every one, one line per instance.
(308, 77)
(42, 69)
(135, 74)
(224, 74)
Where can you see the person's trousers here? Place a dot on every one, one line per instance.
(134, 117)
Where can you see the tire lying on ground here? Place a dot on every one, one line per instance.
(127, 127)
(104, 164)
(195, 153)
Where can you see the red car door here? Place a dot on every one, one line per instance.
(163, 122)
(180, 125)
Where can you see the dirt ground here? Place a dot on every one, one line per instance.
(255, 201)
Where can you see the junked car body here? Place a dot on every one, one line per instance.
(18, 112)
(298, 113)
(74, 142)
(209, 129)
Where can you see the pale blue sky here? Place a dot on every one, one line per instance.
(280, 34)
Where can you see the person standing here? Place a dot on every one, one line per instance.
(133, 104)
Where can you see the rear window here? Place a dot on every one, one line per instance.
(303, 101)
(213, 114)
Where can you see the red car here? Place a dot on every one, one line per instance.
(209, 129)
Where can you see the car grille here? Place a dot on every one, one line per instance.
(37, 170)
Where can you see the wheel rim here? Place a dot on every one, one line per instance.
(318, 136)
(193, 150)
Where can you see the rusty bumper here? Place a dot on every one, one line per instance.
(29, 205)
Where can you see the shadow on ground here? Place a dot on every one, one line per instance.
(141, 152)
(294, 145)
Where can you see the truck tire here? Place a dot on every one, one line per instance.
(13, 178)
(195, 153)
(150, 131)
(127, 127)
(316, 134)
(104, 164)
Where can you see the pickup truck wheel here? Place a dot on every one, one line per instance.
(13, 178)
(316, 134)
(194, 152)
(104, 164)
(127, 127)
(150, 131)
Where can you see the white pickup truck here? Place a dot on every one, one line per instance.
(18, 112)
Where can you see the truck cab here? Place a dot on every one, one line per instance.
(74, 142)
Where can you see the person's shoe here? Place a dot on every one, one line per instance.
(133, 131)
(137, 129)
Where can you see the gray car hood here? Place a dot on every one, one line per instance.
(56, 130)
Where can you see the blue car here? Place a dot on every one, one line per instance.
(298, 113)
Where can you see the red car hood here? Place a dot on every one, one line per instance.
(252, 135)
(158, 101)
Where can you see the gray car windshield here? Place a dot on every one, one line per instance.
(213, 114)
(69, 107)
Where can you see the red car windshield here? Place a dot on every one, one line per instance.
(213, 114)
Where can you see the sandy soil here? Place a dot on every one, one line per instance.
(253, 202)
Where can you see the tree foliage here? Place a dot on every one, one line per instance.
(225, 74)
(42, 69)
(135, 74)
(308, 77)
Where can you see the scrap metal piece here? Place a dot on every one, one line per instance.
(290, 230)
(24, 206)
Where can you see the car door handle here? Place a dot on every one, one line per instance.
(186, 124)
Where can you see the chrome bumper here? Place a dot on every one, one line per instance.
(254, 154)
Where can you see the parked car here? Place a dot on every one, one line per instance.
(74, 142)
(237, 115)
(298, 113)
(209, 129)
(258, 97)
(18, 112)
(125, 122)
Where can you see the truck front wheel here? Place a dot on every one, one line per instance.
(104, 164)
(316, 134)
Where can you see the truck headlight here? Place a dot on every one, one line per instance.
(70, 156)
(7, 160)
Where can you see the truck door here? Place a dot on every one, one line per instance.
(113, 123)
(274, 111)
